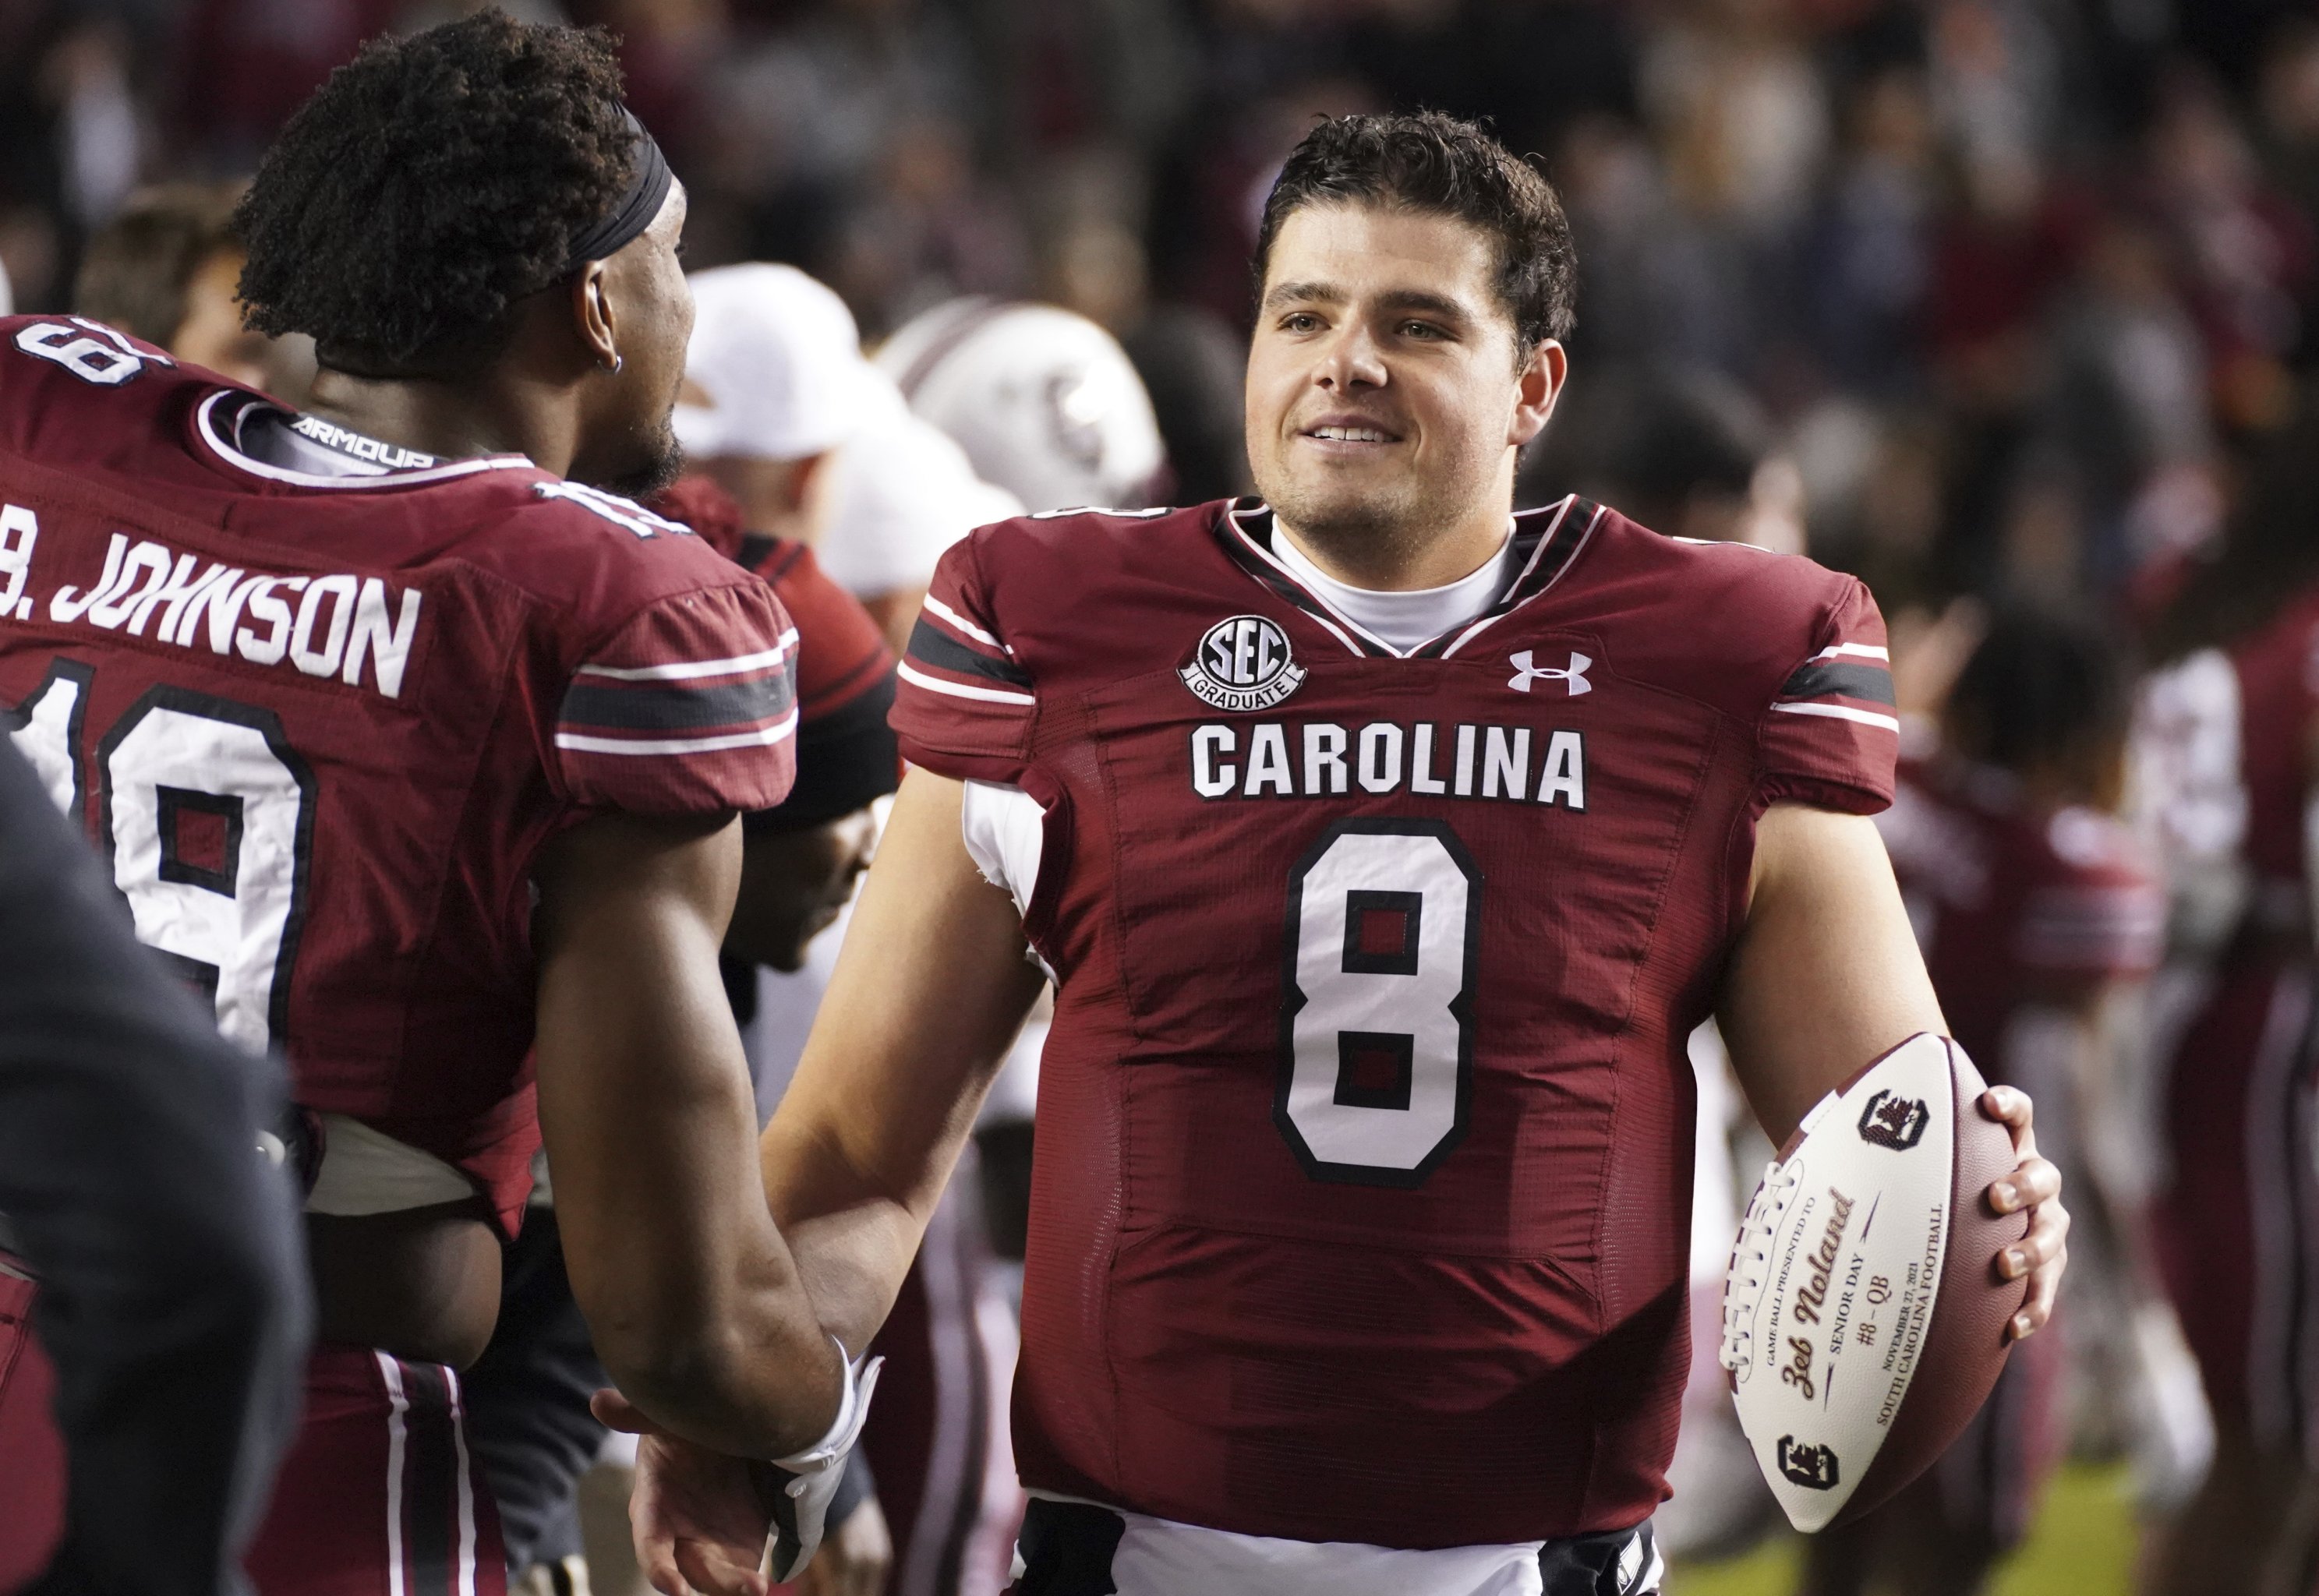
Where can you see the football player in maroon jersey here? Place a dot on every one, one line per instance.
(2035, 909)
(1384, 845)
(529, 1427)
(414, 753)
(2228, 748)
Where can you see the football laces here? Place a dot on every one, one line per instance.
(1751, 1250)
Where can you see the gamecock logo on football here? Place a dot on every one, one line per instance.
(1242, 663)
(1812, 1467)
(1897, 1122)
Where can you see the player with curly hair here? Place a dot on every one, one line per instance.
(419, 750)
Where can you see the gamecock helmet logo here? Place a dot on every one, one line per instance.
(1897, 1122)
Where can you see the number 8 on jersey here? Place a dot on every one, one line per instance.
(1384, 917)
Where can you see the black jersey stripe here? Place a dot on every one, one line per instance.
(755, 547)
(1819, 677)
(845, 760)
(1284, 588)
(429, 1482)
(1570, 530)
(931, 645)
(670, 706)
(1566, 532)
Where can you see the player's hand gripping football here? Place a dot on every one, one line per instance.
(2036, 1184)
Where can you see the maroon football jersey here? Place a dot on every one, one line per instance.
(845, 753)
(2015, 905)
(1362, 1194)
(2277, 671)
(321, 700)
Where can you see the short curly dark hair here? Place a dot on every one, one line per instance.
(429, 185)
(1428, 161)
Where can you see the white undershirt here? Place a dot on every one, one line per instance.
(1005, 828)
(1404, 619)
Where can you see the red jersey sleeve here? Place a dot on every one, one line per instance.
(1831, 737)
(689, 707)
(2094, 914)
(965, 706)
(846, 755)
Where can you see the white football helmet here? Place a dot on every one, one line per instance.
(1044, 402)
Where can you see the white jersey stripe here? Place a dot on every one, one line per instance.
(466, 1552)
(956, 689)
(959, 622)
(692, 669)
(763, 737)
(1890, 722)
(397, 1440)
(1864, 651)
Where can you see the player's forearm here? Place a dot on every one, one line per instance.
(694, 1302)
(927, 997)
(1827, 975)
(852, 1262)
(693, 1298)
(754, 1374)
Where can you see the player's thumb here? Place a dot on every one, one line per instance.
(615, 1411)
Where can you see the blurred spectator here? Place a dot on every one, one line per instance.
(2128, 406)
(2242, 255)
(241, 66)
(1868, 258)
(1188, 356)
(2288, 104)
(784, 413)
(2038, 913)
(1190, 360)
(167, 269)
(1045, 404)
(1685, 452)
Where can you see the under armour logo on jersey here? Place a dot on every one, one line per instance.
(1574, 678)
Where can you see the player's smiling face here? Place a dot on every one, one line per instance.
(1384, 400)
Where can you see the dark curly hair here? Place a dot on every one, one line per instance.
(429, 185)
(1431, 162)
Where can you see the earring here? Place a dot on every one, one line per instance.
(614, 369)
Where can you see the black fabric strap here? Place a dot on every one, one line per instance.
(649, 184)
(1067, 1547)
(1599, 1565)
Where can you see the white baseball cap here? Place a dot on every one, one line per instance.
(904, 492)
(1045, 404)
(778, 361)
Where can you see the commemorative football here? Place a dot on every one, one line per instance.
(1863, 1320)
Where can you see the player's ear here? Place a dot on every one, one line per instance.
(592, 316)
(1538, 385)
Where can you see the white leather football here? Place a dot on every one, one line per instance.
(1863, 1320)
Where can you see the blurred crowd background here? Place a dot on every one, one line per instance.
(1971, 292)
(1975, 298)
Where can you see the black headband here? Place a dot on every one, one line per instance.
(633, 211)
